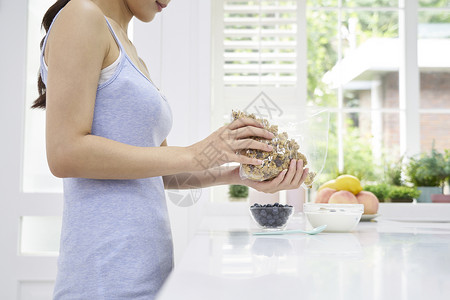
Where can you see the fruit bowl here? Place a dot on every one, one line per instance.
(271, 216)
(337, 217)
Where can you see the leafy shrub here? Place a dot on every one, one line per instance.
(393, 172)
(379, 190)
(403, 192)
(238, 191)
(427, 169)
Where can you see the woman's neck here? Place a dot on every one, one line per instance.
(116, 10)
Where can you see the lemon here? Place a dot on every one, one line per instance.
(348, 183)
(344, 183)
(329, 184)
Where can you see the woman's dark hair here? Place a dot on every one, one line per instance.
(46, 22)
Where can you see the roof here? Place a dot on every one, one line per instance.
(378, 56)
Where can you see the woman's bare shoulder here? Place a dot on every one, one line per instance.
(81, 18)
(84, 9)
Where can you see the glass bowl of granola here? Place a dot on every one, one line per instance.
(301, 145)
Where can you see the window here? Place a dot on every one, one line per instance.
(37, 177)
(258, 54)
(353, 69)
(357, 61)
(260, 43)
(257, 47)
(434, 62)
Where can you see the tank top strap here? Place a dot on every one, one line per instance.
(48, 31)
(114, 35)
(42, 69)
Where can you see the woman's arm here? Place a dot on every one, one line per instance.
(200, 179)
(77, 46)
(286, 180)
(223, 175)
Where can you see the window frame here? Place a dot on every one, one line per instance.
(226, 98)
(409, 110)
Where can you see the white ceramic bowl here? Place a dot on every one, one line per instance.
(337, 217)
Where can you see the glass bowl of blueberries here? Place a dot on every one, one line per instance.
(271, 216)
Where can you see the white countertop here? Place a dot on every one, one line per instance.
(379, 260)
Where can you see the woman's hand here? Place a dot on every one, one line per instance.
(286, 180)
(221, 146)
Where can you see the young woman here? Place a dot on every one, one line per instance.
(106, 129)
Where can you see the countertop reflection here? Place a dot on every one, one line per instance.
(379, 260)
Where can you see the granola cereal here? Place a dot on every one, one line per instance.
(275, 161)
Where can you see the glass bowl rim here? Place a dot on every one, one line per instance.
(348, 207)
(271, 207)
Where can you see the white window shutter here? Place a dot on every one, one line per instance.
(259, 43)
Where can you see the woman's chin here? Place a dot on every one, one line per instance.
(146, 18)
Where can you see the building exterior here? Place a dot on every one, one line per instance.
(369, 77)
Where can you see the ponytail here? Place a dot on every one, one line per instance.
(46, 22)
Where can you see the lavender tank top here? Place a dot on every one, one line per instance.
(116, 240)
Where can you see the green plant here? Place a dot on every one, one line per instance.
(428, 169)
(380, 190)
(393, 172)
(323, 53)
(403, 192)
(447, 165)
(238, 191)
(358, 156)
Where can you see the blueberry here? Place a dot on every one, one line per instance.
(271, 215)
(278, 162)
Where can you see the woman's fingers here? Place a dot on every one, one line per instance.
(271, 186)
(305, 173)
(244, 122)
(288, 179)
(290, 173)
(298, 174)
(242, 159)
(250, 131)
(251, 144)
(279, 179)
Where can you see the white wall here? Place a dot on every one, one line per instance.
(12, 86)
(176, 48)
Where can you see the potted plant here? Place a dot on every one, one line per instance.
(441, 198)
(447, 166)
(393, 173)
(403, 193)
(427, 172)
(238, 192)
(381, 191)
